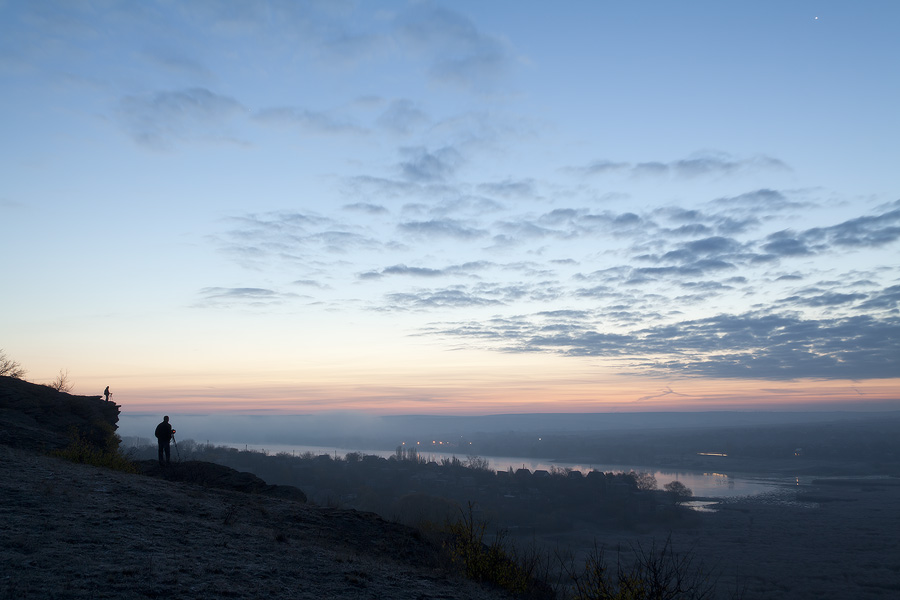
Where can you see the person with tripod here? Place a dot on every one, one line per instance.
(164, 434)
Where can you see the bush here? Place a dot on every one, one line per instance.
(493, 563)
(82, 451)
(657, 573)
(679, 491)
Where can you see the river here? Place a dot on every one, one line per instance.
(703, 484)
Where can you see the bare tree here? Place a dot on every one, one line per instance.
(10, 367)
(478, 463)
(644, 481)
(62, 382)
(654, 573)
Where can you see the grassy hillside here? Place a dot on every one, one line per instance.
(195, 530)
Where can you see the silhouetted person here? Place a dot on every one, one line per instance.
(107, 393)
(164, 434)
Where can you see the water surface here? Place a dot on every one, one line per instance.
(703, 484)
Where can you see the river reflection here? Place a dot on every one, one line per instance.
(703, 484)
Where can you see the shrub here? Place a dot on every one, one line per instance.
(679, 491)
(657, 573)
(492, 563)
(82, 451)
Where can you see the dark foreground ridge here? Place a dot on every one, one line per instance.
(191, 530)
(77, 532)
(220, 477)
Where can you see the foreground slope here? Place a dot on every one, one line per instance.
(76, 531)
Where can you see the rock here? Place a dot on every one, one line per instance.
(37, 417)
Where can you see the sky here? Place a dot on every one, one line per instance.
(453, 207)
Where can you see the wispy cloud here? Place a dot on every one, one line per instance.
(158, 120)
(715, 165)
(432, 299)
(422, 165)
(465, 269)
(306, 120)
(221, 297)
(460, 54)
(403, 117)
(442, 228)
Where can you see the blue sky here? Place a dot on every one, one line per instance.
(453, 207)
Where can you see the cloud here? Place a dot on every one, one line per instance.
(158, 120)
(713, 165)
(465, 269)
(350, 48)
(415, 271)
(888, 299)
(479, 294)
(759, 346)
(431, 299)
(308, 121)
(222, 297)
(604, 167)
(783, 243)
(747, 346)
(420, 165)
(862, 232)
(310, 283)
(296, 237)
(713, 245)
(761, 199)
(509, 188)
(403, 117)
(442, 228)
(180, 64)
(826, 299)
(460, 54)
(667, 392)
(382, 186)
(365, 207)
(693, 269)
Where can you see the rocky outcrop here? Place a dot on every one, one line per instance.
(37, 417)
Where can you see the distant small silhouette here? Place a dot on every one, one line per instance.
(164, 433)
(107, 393)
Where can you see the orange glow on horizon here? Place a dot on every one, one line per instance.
(622, 394)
